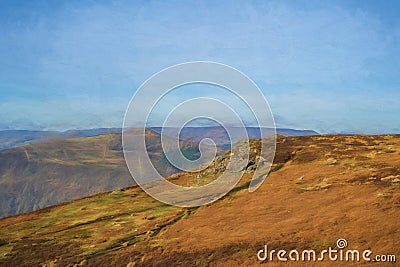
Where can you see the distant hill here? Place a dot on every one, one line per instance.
(14, 138)
(220, 137)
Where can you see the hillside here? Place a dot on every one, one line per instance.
(39, 175)
(42, 174)
(321, 188)
(49, 167)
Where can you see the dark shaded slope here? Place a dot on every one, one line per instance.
(38, 175)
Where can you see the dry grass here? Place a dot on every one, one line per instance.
(326, 187)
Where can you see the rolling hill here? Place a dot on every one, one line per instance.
(320, 189)
(42, 174)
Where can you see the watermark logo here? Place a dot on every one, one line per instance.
(338, 253)
(152, 92)
(341, 243)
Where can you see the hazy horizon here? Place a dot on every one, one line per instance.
(198, 126)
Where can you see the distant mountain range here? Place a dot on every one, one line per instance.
(14, 138)
(220, 135)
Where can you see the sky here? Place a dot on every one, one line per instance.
(330, 66)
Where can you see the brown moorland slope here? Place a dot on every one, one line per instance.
(321, 188)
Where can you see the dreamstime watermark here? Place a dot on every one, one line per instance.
(339, 253)
(157, 88)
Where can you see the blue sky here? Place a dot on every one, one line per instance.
(329, 66)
